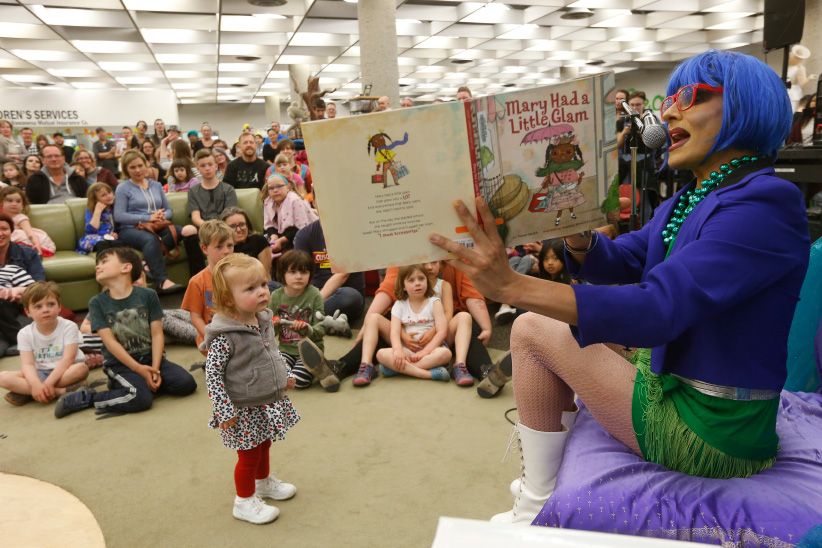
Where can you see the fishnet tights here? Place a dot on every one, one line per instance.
(549, 366)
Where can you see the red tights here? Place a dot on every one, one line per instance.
(251, 464)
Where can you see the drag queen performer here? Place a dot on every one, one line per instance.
(707, 292)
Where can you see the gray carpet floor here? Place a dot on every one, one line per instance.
(374, 466)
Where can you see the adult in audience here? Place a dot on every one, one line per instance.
(140, 200)
(247, 170)
(32, 164)
(156, 171)
(269, 149)
(68, 151)
(27, 139)
(129, 142)
(711, 300)
(278, 132)
(207, 139)
(803, 122)
(245, 239)
(56, 182)
(464, 94)
(41, 141)
(94, 173)
(406, 102)
(340, 291)
(160, 132)
(140, 137)
(194, 141)
(10, 150)
(105, 152)
(331, 110)
(222, 158)
(26, 258)
(318, 109)
(383, 103)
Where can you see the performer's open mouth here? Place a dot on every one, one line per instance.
(678, 138)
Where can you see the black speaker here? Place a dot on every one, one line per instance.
(784, 22)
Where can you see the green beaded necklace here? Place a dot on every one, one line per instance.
(689, 200)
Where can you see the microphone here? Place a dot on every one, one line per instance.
(653, 133)
(634, 116)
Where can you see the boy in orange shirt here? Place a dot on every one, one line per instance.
(216, 242)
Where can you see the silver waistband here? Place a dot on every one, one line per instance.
(729, 392)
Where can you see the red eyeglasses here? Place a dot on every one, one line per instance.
(685, 97)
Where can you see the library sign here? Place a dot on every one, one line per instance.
(78, 108)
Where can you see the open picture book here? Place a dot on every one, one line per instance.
(541, 158)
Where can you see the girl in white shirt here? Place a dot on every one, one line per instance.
(416, 311)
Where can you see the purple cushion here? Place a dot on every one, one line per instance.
(603, 486)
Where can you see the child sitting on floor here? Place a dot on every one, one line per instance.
(416, 311)
(216, 242)
(129, 320)
(299, 331)
(51, 361)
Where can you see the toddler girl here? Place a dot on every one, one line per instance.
(247, 378)
(295, 307)
(416, 311)
(551, 262)
(99, 220)
(181, 177)
(16, 205)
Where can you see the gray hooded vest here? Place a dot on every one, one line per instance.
(256, 372)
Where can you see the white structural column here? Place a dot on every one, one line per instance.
(378, 48)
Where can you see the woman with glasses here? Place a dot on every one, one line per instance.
(245, 239)
(706, 291)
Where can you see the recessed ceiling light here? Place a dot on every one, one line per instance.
(247, 57)
(508, 85)
(267, 3)
(460, 61)
(576, 13)
(596, 62)
(350, 1)
(238, 85)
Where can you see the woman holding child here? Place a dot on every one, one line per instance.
(709, 286)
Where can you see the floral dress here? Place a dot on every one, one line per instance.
(93, 236)
(254, 425)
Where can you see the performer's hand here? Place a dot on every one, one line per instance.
(486, 263)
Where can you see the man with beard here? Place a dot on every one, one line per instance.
(246, 171)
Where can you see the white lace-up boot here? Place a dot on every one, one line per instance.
(272, 488)
(541, 459)
(568, 420)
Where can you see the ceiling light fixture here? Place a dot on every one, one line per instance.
(267, 3)
(460, 61)
(247, 57)
(576, 13)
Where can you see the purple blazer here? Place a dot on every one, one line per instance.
(719, 309)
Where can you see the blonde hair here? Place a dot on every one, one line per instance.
(282, 159)
(129, 156)
(92, 194)
(403, 274)
(225, 269)
(38, 291)
(215, 231)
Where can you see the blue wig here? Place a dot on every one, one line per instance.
(756, 110)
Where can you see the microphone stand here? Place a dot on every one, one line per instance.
(633, 143)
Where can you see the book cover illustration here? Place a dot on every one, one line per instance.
(384, 181)
(544, 158)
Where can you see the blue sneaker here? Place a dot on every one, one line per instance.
(386, 372)
(72, 402)
(440, 374)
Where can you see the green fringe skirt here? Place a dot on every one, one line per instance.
(666, 439)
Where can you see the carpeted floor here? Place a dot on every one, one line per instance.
(373, 466)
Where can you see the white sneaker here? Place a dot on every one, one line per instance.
(273, 488)
(254, 510)
(505, 314)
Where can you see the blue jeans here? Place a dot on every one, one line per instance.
(348, 301)
(149, 246)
